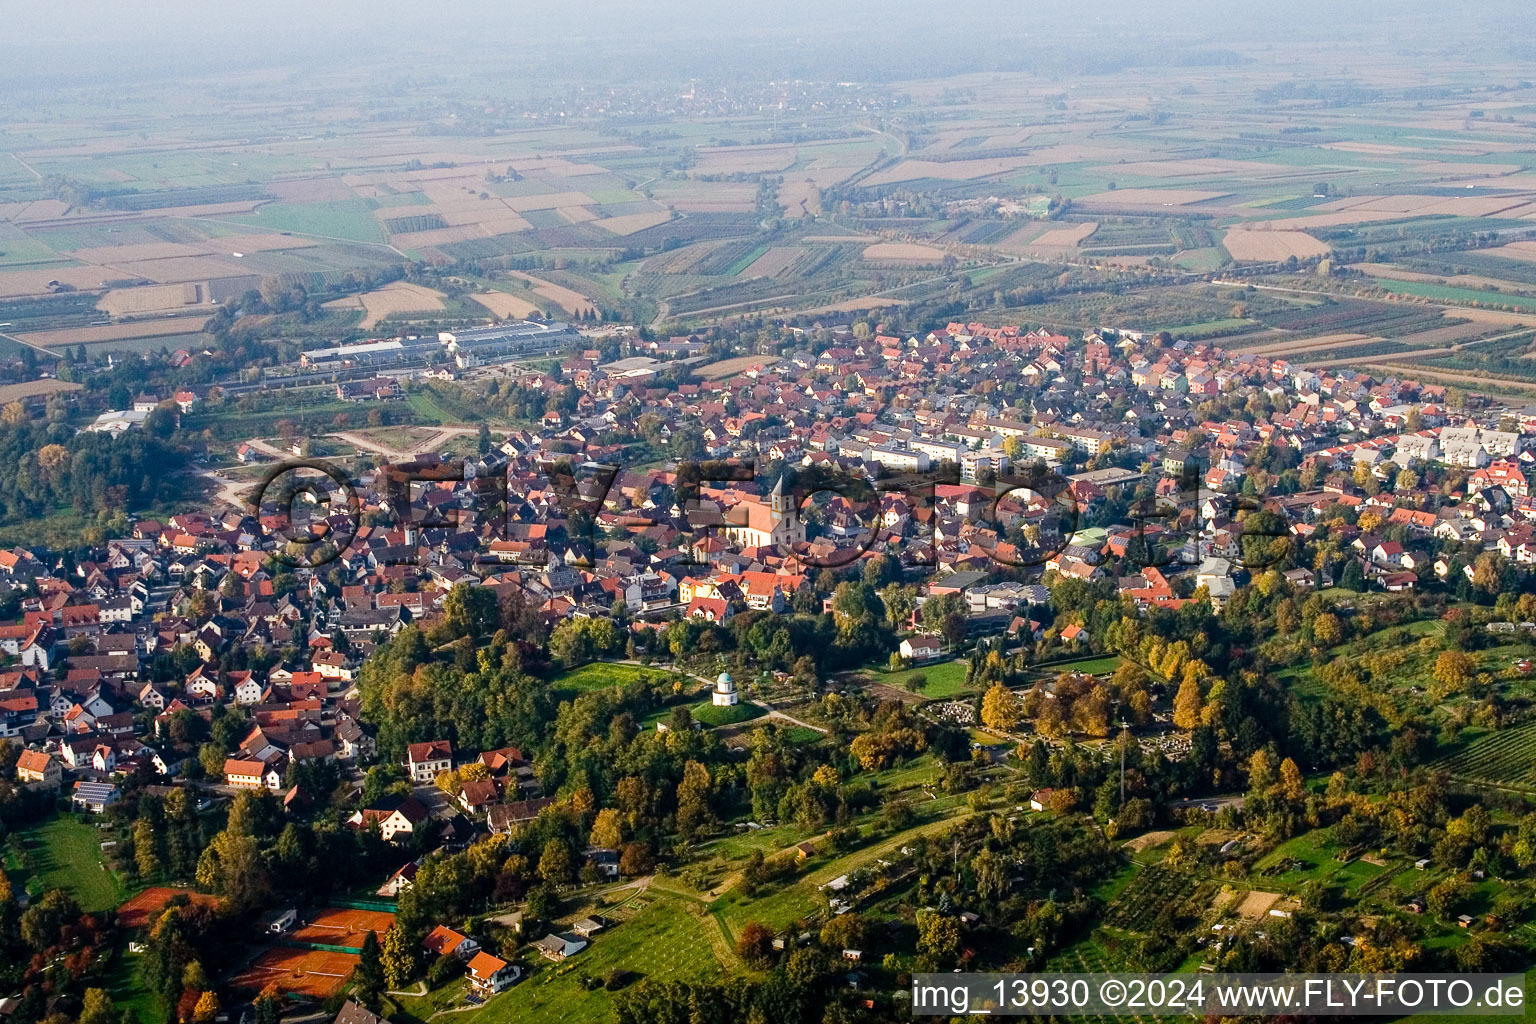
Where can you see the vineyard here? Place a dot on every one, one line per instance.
(415, 222)
(1157, 899)
(1505, 759)
(1481, 264)
(1355, 315)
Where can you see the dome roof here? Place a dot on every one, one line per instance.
(724, 679)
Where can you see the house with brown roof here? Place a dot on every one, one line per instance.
(489, 974)
(444, 941)
(37, 769)
(423, 761)
(394, 816)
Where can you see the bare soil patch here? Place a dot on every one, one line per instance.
(507, 307)
(905, 251)
(114, 332)
(731, 367)
(1272, 245)
(1256, 904)
(395, 297)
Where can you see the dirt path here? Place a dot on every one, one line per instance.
(231, 492)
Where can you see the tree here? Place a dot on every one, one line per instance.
(368, 975)
(233, 866)
(43, 922)
(1443, 899)
(607, 829)
(755, 944)
(207, 1007)
(938, 936)
(636, 859)
(1261, 770)
(556, 865)
(1291, 786)
(1327, 630)
(96, 1007)
(398, 957)
(1454, 671)
(845, 931)
(144, 855)
(1186, 703)
(1001, 708)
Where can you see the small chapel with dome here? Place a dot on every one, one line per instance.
(725, 694)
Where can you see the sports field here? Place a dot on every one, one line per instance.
(335, 926)
(309, 972)
(142, 910)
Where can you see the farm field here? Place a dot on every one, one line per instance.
(90, 336)
(1454, 296)
(505, 306)
(903, 251)
(1271, 245)
(395, 297)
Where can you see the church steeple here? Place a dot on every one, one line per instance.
(776, 499)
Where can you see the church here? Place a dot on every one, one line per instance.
(751, 523)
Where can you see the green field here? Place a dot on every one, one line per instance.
(600, 675)
(1446, 293)
(64, 854)
(943, 679)
(351, 220)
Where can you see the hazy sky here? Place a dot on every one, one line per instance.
(199, 33)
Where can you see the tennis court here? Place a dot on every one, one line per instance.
(310, 972)
(143, 909)
(337, 926)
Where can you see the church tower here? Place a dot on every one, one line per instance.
(777, 501)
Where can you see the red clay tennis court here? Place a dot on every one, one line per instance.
(310, 972)
(335, 926)
(143, 909)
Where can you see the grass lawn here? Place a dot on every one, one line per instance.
(1318, 857)
(127, 991)
(944, 679)
(661, 942)
(64, 854)
(425, 406)
(601, 675)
